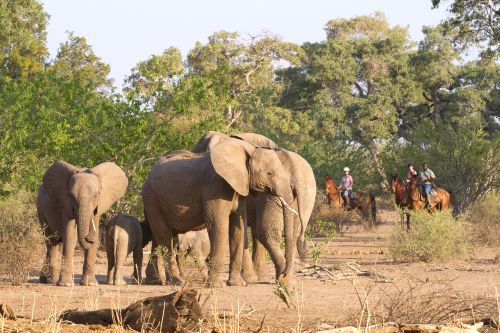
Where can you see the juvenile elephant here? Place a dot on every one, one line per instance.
(264, 213)
(69, 204)
(195, 243)
(197, 190)
(125, 235)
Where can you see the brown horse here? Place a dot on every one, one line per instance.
(439, 201)
(365, 202)
(400, 191)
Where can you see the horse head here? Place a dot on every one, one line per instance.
(331, 191)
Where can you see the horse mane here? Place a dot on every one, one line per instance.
(397, 179)
(330, 179)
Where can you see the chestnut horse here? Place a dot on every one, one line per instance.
(365, 202)
(439, 201)
(400, 190)
(411, 197)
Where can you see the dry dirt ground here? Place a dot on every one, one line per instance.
(320, 300)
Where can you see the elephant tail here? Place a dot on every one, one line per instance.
(115, 242)
(373, 208)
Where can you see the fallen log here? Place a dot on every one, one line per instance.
(409, 328)
(175, 312)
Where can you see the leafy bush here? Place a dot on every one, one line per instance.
(484, 216)
(21, 238)
(433, 237)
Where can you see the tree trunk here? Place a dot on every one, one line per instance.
(436, 102)
(379, 168)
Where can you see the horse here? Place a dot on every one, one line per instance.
(416, 200)
(364, 202)
(400, 191)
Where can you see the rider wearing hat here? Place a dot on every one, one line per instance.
(346, 187)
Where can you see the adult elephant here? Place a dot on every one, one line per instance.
(264, 212)
(187, 191)
(69, 204)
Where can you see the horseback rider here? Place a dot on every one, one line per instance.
(411, 173)
(346, 187)
(427, 179)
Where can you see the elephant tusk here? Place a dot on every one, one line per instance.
(287, 206)
(93, 224)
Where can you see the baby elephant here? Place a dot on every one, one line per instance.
(125, 234)
(197, 244)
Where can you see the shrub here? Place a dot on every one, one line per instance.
(484, 216)
(433, 237)
(21, 238)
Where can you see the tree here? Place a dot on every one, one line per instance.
(76, 61)
(464, 158)
(236, 73)
(357, 83)
(152, 81)
(22, 37)
(474, 22)
(434, 68)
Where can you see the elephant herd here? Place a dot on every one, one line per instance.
(224, 185)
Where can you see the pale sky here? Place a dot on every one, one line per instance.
(123, 32)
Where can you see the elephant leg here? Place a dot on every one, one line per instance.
(248, 267)
(51, 267)
(90, 257)
(137, 275)
(120, 256)
(111, 260)
(200, 262)
(155, 270)
(69, 243)
(237, 228)
(259, 259)
(248, 273)
(166, 238)
(218, 232)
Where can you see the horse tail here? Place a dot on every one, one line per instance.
(373, 208)
(452, 197)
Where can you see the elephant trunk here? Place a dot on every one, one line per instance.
(84, 219)
(289, 215)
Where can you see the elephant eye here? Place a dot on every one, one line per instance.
(270, 173)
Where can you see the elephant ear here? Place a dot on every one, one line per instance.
(230, 160)
(257, 140)
(55, 181)
(114, 183)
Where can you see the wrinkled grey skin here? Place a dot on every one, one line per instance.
(187, 191)
(69, 204)
(197, 244)
(265, 213)
(125, 235)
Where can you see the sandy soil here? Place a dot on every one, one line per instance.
(320, 299)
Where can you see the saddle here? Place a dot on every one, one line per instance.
(419, 195)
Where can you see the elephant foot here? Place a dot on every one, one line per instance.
(119, 282)
(89, 280)
(236, 281)
(250, 276)
(262, 276)
(65, 282)
(286, 279)
(137, 280)
(175, 281)
(215, 283)
(151, 280)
